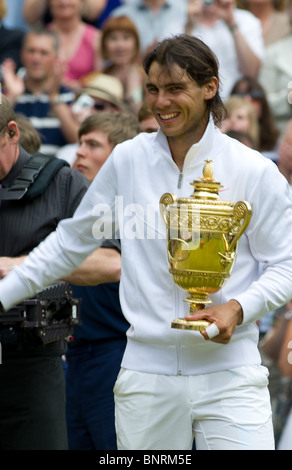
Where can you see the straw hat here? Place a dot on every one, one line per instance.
(105, 87)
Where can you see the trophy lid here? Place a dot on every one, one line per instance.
(206, 187)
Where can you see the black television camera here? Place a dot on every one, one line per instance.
(50, 316)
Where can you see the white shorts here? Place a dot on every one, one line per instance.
(228, 410)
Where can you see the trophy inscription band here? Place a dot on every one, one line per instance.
(202, 233)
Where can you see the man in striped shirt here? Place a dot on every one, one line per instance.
(39, 94)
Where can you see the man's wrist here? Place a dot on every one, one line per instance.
(239, 311)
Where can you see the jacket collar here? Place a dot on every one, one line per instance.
(202, 149)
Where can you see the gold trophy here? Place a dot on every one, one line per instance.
(202, 236)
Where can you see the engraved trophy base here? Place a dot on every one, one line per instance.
(194, 325)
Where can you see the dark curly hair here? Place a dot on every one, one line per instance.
(196, 58)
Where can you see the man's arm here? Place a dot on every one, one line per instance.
(12, 83)
(69, 125)
(272, 217)
(6, 264)
(104, 265)
(249, 63)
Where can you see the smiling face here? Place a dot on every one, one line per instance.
(178, 103)
(39, 56)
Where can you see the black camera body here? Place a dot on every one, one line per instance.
(49, 317)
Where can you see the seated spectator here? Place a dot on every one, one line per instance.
(273, 16)
(100, 93)
(39, 95)
(242, 137)
(29, 138)
(38, 11)
(234, 35)
(79, 41)
(241, 117)
(253, 92)
(285, 154)
(147, 120)
(120, 48)
(107, 129)
(275, 77)
(106, 93)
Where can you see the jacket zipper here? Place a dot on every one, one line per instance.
(179, 183)
(177, 300)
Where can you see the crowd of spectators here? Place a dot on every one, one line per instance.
(64, 61)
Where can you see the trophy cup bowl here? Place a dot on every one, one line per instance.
(202, 236)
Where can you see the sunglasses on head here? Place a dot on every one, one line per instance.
(100, 106)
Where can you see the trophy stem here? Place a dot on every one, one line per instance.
(195, 325)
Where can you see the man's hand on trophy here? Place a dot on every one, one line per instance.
(223, 318)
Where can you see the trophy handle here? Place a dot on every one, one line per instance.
(165, 200)
(242, 211)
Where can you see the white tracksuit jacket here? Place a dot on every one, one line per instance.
(130, 185)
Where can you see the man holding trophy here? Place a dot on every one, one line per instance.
(191, 368)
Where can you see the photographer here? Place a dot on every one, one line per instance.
(32, 394)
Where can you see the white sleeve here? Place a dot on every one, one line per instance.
(69, 245)
(270, 241)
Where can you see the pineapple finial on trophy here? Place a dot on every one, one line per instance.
(208, 170)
